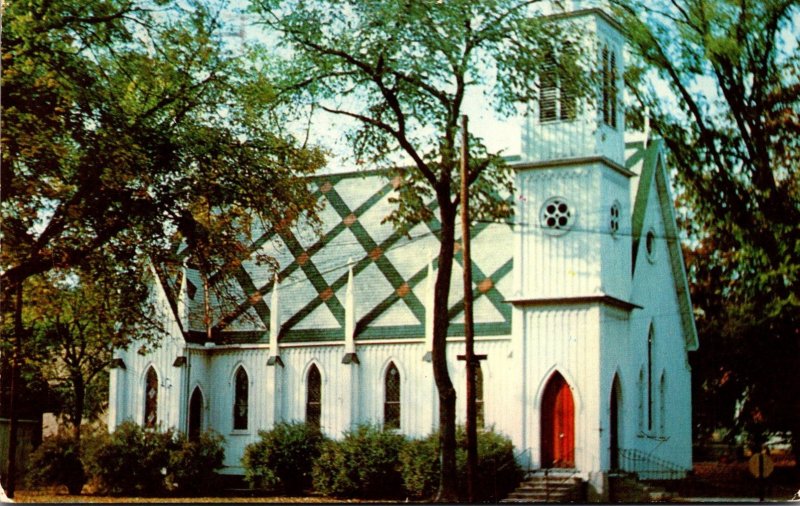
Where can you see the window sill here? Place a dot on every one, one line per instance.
(652, 435)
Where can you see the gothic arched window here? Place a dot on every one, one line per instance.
(313, 397)
(240, 402)
(650, 342)
(391, 404)
(151, 398)
(662, 405)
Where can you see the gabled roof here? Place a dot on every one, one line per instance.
(390, 269)
(649, 163)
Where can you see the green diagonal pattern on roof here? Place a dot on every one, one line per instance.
(405, 291)
(369, 245)
(385, 257)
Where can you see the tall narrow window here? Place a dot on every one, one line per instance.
(151, 399)
(605, 87)
(313, 397)
(641, 389)
(548, 91)
(609, 102)
(568, 91)
(650, 379)
(240, 403)
(391, 404)
(612, 77)
(662, 404)
(479, 411)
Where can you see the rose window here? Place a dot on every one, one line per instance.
(557, 215)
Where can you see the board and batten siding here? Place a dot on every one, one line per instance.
(564, 340)
(619, 357)
(351, 393)
(126, 383)
(586, 135)
(670, 440)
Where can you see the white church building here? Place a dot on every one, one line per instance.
(581, 305)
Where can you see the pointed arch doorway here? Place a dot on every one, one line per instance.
(195, 414)
(613, 429)
(558, 424)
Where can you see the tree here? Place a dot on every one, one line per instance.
(77, 322)
(399, 73)
(733, 68)
(126, 123)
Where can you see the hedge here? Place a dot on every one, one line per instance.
(282, 460)
(365, 464)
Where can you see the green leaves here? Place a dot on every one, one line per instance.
(128, 128)
(400, 70)
(732, 67)
(122, 120)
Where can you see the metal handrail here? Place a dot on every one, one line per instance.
(647, 467)
(560, 480)
(515, 458)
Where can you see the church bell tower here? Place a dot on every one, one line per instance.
(573, 188)
(572, 257)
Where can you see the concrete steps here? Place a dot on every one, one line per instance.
(551, 488)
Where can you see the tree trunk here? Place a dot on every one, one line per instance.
(79, 387)
(448, 491)
(13, 427)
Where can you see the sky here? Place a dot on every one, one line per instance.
(500, 134)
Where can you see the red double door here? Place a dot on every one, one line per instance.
(558, 424)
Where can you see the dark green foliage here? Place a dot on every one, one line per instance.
(132, 461)
(192, 466)
(57, 462)
(733, 69)
(364, 464)
(420, 462)
(135, 461)
(283, 458)
(498, 471)
(128, 126)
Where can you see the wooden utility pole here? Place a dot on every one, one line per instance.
(472, 433)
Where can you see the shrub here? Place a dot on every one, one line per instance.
(365, 463)
(57, 462)
(193, 464)
(135, 461)
(283, 458)
(420, 466)
(132, 461)
(498, 471)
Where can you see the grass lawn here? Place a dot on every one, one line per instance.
(55, 495)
